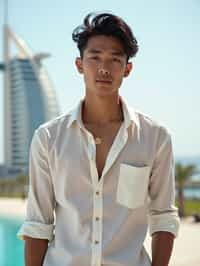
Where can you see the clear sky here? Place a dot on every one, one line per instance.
(165, 81)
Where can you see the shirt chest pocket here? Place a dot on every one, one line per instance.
(132, 187)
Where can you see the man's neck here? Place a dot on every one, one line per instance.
(101, 111)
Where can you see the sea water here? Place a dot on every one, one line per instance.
(11, 248)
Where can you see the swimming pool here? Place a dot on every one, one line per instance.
(11, 248)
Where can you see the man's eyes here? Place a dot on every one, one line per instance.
(94, 57)
(114, 59)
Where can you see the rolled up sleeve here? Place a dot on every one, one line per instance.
(163, 215)
(39, 222)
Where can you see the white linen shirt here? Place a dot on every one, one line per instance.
(91, 222)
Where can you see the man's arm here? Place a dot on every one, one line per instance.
(35, 250)
(38, 227)
(163, 214)
(162, 245)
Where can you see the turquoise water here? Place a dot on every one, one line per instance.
(11, 248)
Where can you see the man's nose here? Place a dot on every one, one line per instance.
(104, 67)
(103, 71)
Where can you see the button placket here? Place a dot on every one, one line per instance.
(97, 226)
(97, 203)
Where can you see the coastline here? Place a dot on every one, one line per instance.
(187, 240)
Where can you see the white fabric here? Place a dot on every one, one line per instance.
(92, 222)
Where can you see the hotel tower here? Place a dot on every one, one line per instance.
(29, 99)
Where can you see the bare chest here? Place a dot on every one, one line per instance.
(107, 136)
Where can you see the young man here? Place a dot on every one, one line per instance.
(100, 174)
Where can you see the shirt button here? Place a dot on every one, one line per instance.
(97, 192)
(97, 218)
(96, 242)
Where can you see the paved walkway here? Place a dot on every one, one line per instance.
(186, 251)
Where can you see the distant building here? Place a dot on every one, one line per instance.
(3, 171)
(29, 99)
(6, 172)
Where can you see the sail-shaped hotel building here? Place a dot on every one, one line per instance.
(29, 99)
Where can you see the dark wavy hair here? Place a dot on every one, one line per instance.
(105, 24)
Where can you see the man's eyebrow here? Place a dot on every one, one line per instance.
(117, 52)
(113, 51)
(94, 51)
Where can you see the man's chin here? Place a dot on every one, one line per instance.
(105, 91)
(102, 91)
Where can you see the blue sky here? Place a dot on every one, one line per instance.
(164, 82)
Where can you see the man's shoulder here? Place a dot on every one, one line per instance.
(55, 124)
(150, 124)
(147, 119)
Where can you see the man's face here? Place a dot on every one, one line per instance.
(104, 64)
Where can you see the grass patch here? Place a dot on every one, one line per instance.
(11, 195)
(191, 206)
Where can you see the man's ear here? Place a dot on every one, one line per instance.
(79, 66)
(128, 69)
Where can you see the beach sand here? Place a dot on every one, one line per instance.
(13, 207)
(186, 250)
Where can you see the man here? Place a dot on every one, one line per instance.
(102, 172)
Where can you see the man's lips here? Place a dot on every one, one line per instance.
(104, 81)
